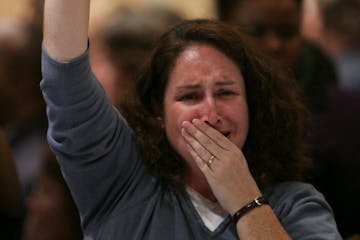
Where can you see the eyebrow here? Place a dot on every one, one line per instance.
(196, 86)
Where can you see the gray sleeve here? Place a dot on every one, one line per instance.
(303, 211)
(93, 143)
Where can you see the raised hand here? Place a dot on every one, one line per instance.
(66, 24)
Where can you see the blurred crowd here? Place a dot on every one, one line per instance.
(317, 41)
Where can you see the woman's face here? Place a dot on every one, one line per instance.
(275, 27)
(207, 85)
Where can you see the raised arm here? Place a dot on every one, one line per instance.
(66, 24)
(94, 145)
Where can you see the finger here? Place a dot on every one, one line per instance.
(203, 166)
(213, 134)
(202, 152)
(204, 140)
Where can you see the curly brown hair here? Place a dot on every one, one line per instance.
(275, 147)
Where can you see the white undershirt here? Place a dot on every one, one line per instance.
(211, 213)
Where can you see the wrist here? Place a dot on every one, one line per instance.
(257, 202)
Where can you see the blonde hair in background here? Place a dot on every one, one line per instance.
(186, 8)
(10, 8)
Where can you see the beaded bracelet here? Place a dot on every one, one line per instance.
(257, 202)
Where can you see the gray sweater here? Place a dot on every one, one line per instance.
(116, 196)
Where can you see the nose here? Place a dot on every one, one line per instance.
(209, 111)
(272, 41)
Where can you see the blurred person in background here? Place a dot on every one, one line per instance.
(336, 143)
(22, 109)
(336, 138)
(52, 214)
(275, 27)
(33, 13)
(311, 23)
(341, 32)
(122, 44)
(11, 204)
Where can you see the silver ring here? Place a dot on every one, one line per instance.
(209, 162)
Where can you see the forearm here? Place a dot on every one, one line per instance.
(66, 25)
(261, 223)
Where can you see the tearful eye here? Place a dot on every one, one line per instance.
(189, 97)
(226, 93)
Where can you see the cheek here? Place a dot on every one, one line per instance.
(238, 119)
(174, 115)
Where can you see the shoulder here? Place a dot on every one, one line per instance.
(289, 193)
(289, 188)
(302, 210)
